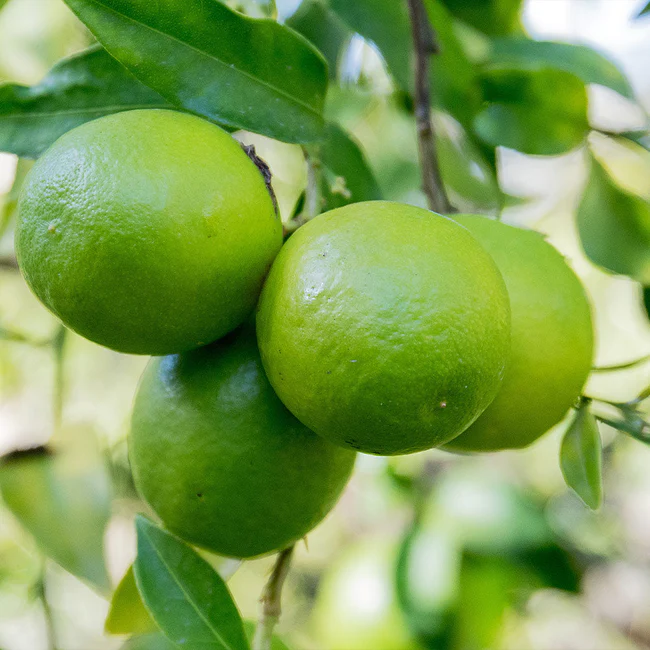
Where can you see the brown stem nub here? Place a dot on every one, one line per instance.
(265, 170)
(425, 45)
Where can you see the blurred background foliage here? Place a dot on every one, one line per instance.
(427, 551)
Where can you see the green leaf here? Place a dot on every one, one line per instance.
(323, 28)
(127, 613)
(470, 181)
(581, 457)
(153, 641)
(614, 226)
(454, 78)
(538, 112)
(587, 64)
(386, 24)
(63, 500)
(188, 599)
(80, 88)
(645, 11)
(493, 17)
(10, 203)
(348, 177)
(246, 73)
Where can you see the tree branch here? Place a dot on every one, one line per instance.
(425, 44)
(270, 601)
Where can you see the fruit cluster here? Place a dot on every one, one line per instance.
(380, 327)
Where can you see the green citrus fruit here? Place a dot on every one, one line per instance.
(356, 606)
(221, 460)
(552, 339)
(148, 231)
(384, 327)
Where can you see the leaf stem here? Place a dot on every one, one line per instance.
(47, 610)
(313, 192)
(270, 601)
(425, 44)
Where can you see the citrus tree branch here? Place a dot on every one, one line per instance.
(425, 45)
(270, 601)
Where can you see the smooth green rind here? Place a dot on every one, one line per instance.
(551, 340)
(252, 74)
(77, 89)
(241, 476)
(581, 458)
(185, 595)
(614, 226)
(384, 327)
(148, 231)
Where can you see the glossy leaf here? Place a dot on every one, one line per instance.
(63, 500)
(127, 613)
(493, 17)
(152, 641)
(587, 64)
(322, 27)
(80, 88)
(581, 458)
(470, 181)
(539, 112)
(347, 174)
(614, 226)
(246, 73)
(186, 597)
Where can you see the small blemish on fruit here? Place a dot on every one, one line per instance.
(443, 404)
(52, 227)
(199, 494)
(353, 360)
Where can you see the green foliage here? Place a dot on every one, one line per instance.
(614, 226)
(585, 63)
(152, 641)
(645, 11)
(191, 52)
(127, 614)
(186, 597)
(78, 89)
(63, 500)
(320, 25)
(581, 457)
(493, 17)
(347, 177)
(539, 112)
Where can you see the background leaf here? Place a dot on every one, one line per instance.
(581, 457)
(246, 73)
(63, 500)
(587, 64)
(347, 174)
(80, 88)
(127, 613)
(614, 226)
(153, 641)
(470, 181)
(539, 112)
(188, 599)
(10, 203)
(493, 17)
(645, 11)
(320, 25)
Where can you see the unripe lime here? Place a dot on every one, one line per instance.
(147, 231)
(384, 327)
(221, 460)
(551, 342)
